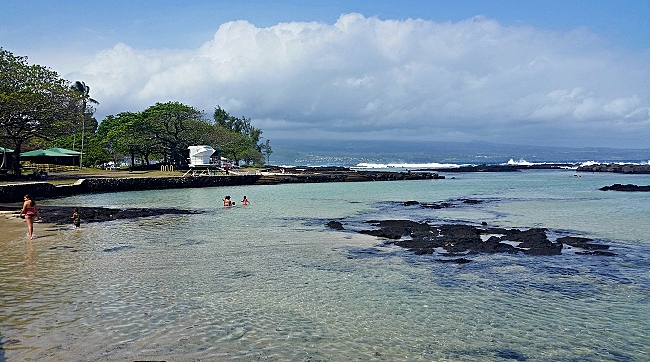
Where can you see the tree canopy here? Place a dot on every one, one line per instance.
(165, 130)
(34, 103)
(39, 108)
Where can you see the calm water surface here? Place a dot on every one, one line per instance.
(269, 281)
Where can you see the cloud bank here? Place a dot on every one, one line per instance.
(366, 78)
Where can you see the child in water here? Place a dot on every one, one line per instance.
(227, 202)
(244, 201)
(76, 217)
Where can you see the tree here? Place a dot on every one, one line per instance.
(127, 133)
(266, 148)
(85, 113)
(34, 103)
(239, 137)
(106, 133)
(171, 125)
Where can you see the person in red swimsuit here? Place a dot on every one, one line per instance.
(30, 213)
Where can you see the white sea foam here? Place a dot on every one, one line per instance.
(521, 162)
(589, 163)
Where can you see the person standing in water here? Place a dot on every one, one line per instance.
(30, 213)
(76, 217)
(227, 202)
(244, 201)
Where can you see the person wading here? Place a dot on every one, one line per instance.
(30, 213)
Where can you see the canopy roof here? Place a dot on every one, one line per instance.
(2, 149)
(45, 153)
(63, 150)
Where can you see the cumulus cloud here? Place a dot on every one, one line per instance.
(386, 79)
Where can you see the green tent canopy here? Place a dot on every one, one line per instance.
(63, 150)
(8, 150)
(50, 156)
(44, 153)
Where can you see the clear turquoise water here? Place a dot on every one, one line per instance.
(269, 281)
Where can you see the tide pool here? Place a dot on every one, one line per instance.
(270, 281)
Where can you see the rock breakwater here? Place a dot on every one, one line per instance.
(615, 168)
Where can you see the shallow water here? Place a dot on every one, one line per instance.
(269, 281)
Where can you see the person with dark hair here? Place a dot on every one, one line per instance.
(76, 217)
(30, 213)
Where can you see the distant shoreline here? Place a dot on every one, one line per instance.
(626, 168)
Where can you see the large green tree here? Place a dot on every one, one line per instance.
(34, 103)
(238, 137)
(173, 126)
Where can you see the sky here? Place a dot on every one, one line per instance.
(572, 73)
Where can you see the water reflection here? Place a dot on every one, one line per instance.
(29, 259)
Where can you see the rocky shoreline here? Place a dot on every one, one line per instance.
(615, 168)
(504, 168)
(628, 168)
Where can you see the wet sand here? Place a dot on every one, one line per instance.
(14, 229)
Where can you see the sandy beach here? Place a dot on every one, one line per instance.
(13, 229)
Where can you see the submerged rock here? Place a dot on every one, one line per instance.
(454, 240)
(62, 214)
(335, 225)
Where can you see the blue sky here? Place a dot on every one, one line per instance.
(569, 73)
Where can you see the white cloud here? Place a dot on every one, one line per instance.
(366, 77)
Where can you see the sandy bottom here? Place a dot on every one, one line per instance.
(13, 228)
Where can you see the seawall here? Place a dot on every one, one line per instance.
(44, 190)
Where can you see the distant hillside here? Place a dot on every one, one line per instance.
(349, 153)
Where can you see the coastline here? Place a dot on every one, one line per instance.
(84, 183)
(11, 193)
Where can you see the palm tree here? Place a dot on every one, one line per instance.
(84, 90)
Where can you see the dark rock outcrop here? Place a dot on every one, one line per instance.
(341, 174)
(62, 214)
(335, 225)
(502, 167)
(454, 240)
(628, 187)
(615, 168)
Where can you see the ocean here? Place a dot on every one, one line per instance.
(270, 281)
